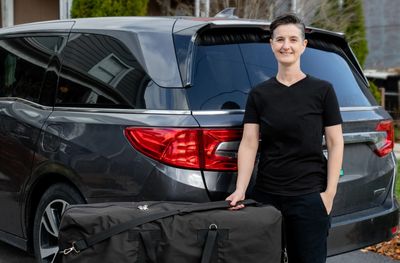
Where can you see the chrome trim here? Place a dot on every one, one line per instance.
(137, 111)
(28, 102)
(217, 112)
(366, 108)
(373, 137)
(376, 138)
(223, 112)
(228, 149)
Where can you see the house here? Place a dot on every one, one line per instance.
(15, 12)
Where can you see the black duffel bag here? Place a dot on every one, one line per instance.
(173, 232)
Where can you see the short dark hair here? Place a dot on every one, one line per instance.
(286, 19)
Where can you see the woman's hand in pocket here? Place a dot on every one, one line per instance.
(327, 199)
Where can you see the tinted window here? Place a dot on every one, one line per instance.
(223, 73)
(220, 79)
(322, 64)
(100, 71)
(23, 65)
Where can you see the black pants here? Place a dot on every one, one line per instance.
(306, 225)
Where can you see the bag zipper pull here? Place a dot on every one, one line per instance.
(285, 257)
(69, 250)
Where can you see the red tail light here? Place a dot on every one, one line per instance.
(386, 146)
(186, 148)
(394, 230)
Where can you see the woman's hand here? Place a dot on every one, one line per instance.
(327, 199)
(235, 197)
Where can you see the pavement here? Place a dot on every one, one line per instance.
(9, 254)
(360, 257)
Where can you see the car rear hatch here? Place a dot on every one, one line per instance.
(221, 61)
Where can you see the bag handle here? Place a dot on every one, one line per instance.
(214, 205)
(85, 243)
(210, 246)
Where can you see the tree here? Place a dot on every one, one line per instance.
(355, 31)
(82, 8)
(96, 8)
(348, 18)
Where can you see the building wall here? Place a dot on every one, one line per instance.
(26, 11)
(383, 33)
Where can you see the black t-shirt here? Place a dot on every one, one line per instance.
(292, 121)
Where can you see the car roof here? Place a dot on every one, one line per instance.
(150, 38)
(125, 23)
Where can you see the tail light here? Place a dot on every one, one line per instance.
(386, 146)
(186, 148)
(394, 230)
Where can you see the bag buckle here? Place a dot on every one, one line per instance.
(213, 227)
(143, 207)
(69, 250)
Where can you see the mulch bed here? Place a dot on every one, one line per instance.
(390, 248)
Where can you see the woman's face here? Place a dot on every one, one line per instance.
(287, 44)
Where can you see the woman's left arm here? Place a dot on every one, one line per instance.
(334, 143)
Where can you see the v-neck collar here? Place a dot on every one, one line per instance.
(294, 84)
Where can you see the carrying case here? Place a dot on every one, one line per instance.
(173, 232)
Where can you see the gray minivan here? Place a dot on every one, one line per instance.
(128, 109)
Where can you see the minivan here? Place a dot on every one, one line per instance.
(150, 108)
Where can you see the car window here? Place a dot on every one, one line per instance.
(23, 64)
(100, 71)
(322, 64)
(224, 74)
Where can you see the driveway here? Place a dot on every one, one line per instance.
(10, 254)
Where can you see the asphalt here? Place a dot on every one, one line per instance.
(9, 254)
(360, 257)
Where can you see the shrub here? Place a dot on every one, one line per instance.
(96, 8)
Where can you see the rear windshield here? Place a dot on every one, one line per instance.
(223, 74)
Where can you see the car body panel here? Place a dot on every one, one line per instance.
(20, 124)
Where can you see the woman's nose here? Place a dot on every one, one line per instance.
(285, 45)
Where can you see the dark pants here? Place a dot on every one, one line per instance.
(306, 225)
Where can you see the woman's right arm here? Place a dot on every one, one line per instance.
(246, 159)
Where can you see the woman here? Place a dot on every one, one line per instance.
(291, 112)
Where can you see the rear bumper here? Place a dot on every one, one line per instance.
(359, 230)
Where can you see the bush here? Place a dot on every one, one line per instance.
(375, 91)
(97, 8)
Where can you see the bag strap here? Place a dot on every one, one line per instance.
(85, 243)
(209, 246)
(149, 245)
(284, 256)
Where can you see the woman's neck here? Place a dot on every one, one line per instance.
(289, 75)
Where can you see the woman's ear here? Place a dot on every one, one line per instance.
(305, 42)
